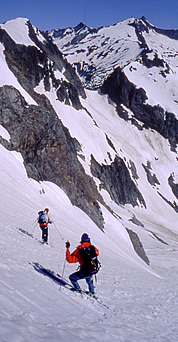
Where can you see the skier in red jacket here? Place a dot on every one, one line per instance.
(76, 256)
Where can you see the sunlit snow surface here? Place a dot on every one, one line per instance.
(140, 305)
(18, 31)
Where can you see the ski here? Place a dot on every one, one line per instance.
(45, 243)
(25, 232)
(56, 277)
(94, 298)
(64, 283)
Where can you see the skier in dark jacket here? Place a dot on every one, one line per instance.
(77, 257)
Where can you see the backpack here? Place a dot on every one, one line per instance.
(91, 264)
(42, 216)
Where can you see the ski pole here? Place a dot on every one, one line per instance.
(63, 271)
(63, 268)
(34, 225)
(58, 231)
(35, 222)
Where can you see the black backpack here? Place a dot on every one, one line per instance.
(91, 264)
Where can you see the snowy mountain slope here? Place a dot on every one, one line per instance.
(144, 61)
(97, 53)
(66, 148)
(148, 58)
(96, 126)
(153, 152)
(33, 307)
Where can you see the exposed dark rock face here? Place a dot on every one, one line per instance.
(172, 205)
(139, 28)
(46, 146)
(48, 151)
(150, 63)
(81, 30)
(152, 179)
(173, 185)
(5, 143)
(87, 71)
(115, 178)
(67, 93)
(135, 220)
(133, 170)
(138, 246)
(25, 62)
(31, 65)
(159, 239)
(173, 34)
(122, 91)
(51, 50)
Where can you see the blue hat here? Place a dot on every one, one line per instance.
(85, 238)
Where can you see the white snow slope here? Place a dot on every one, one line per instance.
(137, 302)
(140, 305)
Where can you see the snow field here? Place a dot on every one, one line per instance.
(141, 305)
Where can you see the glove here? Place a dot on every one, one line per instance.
(67, 244)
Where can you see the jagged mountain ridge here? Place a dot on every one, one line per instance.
(146, 58)
(83, 145)
(97, 52)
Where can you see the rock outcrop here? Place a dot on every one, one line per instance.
(123, 92)
(138, 246)
(48, 150)
(115, 179)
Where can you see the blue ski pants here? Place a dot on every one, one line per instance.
(74, 277)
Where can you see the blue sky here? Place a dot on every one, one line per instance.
(61, 14)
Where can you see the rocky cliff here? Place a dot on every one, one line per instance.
(48, 150)
(129, 97)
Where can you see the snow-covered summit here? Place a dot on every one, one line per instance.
(95, 51)
(147, 55)
(18, 30)
(81, 28)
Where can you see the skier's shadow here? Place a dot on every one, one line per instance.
(50, 274)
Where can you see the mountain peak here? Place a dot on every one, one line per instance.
(17, 21)
(18, 30)
(79, 27)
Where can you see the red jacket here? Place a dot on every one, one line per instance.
(75, 256)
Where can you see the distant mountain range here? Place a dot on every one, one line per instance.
(97, 52)
(145, 56)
